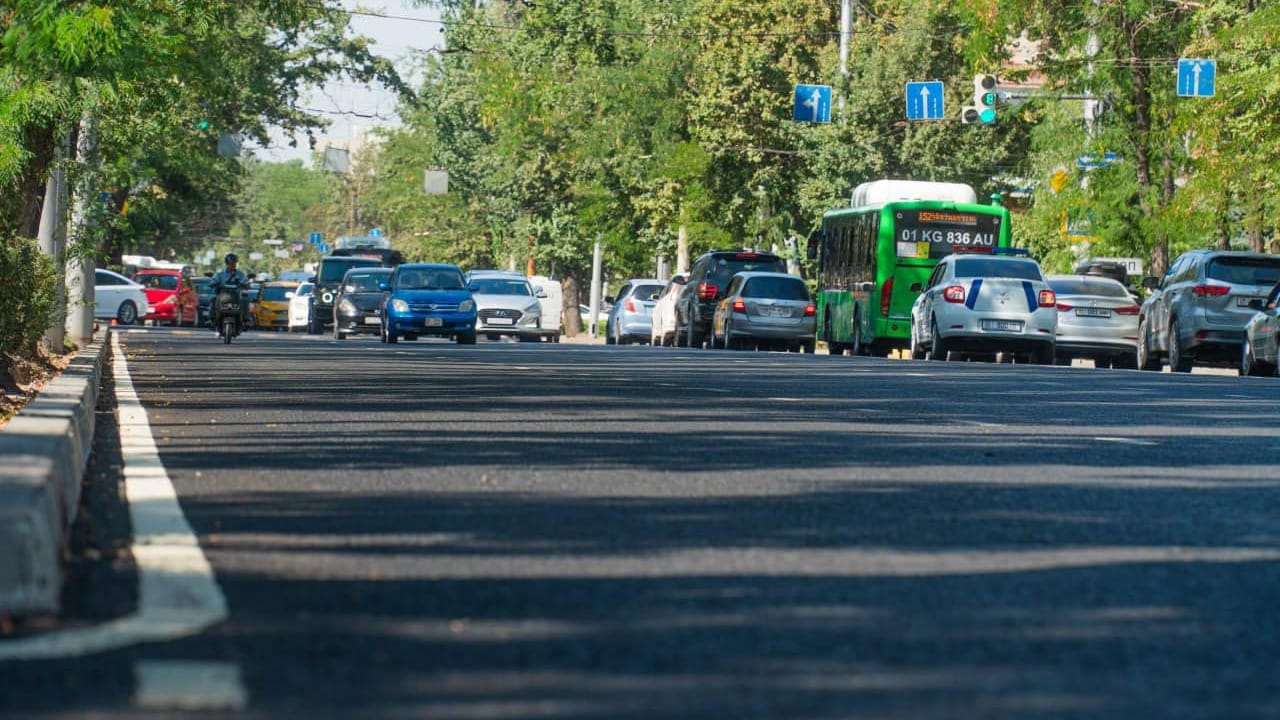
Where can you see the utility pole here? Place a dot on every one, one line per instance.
(846, 34)
(597, 261)
(53, 242)
(80, 262)
(682, 250)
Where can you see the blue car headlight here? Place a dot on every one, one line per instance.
(399, 306)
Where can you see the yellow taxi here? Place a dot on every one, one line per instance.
(271, 306)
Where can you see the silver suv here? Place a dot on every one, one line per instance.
(1197, 312)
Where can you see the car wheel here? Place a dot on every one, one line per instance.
(1179, 361)
(938, 347)
(1127, 361)
(127, 313)
(314, 326)
(810, 346)
(1043, 355)
(1146, 357)
(465, 338)
(916, 349)
(833, 348)
(609, 339)
(855, 347)
(692, 339)
(1249, 364)
(338, 334)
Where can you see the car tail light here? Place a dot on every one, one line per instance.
(631, 306)
(1048, 298)
(954, 294)
(886, 294)
(810, 310)
(707, 291)
(1210, 290)
(739, 306)
(1063, 307)
(747, 256)
(1128, 310)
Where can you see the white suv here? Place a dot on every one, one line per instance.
(985, 304)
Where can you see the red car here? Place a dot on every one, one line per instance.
(171, 296)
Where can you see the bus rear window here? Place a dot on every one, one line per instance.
(935, 234)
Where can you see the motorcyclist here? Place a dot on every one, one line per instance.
(232, 280)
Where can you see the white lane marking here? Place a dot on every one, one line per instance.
(188, 685)
(1126, 441)
(178, 594)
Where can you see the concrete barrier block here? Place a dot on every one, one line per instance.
(30, 538)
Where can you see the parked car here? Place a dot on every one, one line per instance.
(117, 297)
(328, 277)
(300, 307)
(358, 308)
(1197, 312)
(987, 304)
(1117, 271)
(663, 326)
(170, 295)
(765, 309)
(1097, 319)
(204, 299)
(630, 319)
(428, 299)
(602, 313)
(1260, 351)
(271, 305)
(708, 281)
(506, 304)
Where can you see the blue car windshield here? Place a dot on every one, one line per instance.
(426, 279)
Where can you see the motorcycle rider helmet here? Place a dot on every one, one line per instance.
(230, 258)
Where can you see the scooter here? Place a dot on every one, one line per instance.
(228, 303)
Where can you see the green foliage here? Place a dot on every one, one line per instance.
(27, 295)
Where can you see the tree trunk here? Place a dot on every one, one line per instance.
(571, 286)
(23, 212)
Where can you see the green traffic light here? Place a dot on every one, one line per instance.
(987, 115)
(202, 124)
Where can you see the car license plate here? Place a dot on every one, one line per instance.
(1002, 325)
(500, 321)
(433, 322)
(371, 321)
(776, 311)
(1093, 312)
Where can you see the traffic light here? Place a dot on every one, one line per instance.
(983, 109)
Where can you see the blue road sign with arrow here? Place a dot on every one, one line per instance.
(924, 100)
(1197, 77)
(813, 104)
(322, 248)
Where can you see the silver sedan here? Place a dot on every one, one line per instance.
(1097, 318)
(765, 308)
(1260, 353)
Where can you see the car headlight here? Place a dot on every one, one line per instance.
(327, 298)
(466, 306)
(399, 306)
(533, 309)
(347, 307)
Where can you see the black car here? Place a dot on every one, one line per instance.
(204, 299)
(328, 281)
(708, 281)
(358, 306)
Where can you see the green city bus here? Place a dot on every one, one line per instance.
(874, 257)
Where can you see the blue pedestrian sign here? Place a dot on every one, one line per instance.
(813, 104)
(1197, 77)
(316, 238)
(322, 248)
(376, 232)
(924, 100)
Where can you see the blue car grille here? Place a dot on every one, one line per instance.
(433, 307)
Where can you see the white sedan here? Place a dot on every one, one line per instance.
(985, 304)
(117, 297)
(300, 307)
(663, 328)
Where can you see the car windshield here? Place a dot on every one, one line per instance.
(304, 289)
(647, 292)
(726, 268)
(366, 282)
(1245, 271)
(274, 294)
(429, 279)
(204, 286)
(776, 287)
(159, 282)
(499, 286)
(1079, 286)
(991, 267)
(331, 271)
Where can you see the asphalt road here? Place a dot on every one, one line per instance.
(558, 531)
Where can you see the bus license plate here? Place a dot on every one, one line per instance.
(1093, 312)
(433, 322)
(1002, 325)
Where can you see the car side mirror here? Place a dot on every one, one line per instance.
(680, 279)
(289, 294)
(1151, 282)
(348, 288)
(540, 294)
(384, 287)
(917, 287)
(312, 279)
(608, 299)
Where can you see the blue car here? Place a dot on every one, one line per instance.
(428, 299)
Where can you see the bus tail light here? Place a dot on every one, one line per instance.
(707, 291)
(954, 294)
(1129, 310)
(1210, 290)
(1048, 298)
(886, 294)
(810, 310)
(739, 306)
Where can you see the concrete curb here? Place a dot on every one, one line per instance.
(43, 453)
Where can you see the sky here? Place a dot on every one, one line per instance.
(402, 37)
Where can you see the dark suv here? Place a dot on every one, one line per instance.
(328, 281)
(708, 281)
